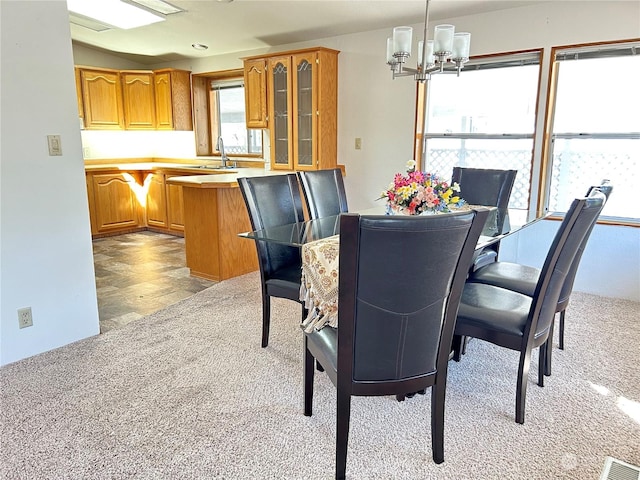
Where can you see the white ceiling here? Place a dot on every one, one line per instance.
(241, 25)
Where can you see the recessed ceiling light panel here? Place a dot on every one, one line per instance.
(114, 12)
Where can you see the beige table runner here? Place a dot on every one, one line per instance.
(319, 286)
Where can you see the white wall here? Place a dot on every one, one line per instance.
(46, 253)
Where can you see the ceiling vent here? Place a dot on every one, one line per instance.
(615, 469)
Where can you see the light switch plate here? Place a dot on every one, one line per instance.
(55, 147)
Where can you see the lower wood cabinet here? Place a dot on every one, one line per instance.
(175, 207)
(121, 202)
(156, 200)
(113, 204)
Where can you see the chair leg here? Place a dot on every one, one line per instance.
(438, 392)
(456, 345)
(549, 350)
(561, 331)
(266, 319)
(308, 379)
(342, 433)
(542, 361)
(521, 388)
(465, 342)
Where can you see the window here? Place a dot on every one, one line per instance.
(595, 127)
(228, 119)
(219, 111)
(485, 118)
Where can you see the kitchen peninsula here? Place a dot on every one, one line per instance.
(214, 214)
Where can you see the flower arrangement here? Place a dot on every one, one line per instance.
(420, 192)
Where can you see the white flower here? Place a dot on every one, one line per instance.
(455, 187)
(411, 165)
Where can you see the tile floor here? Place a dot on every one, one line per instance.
(138, 274)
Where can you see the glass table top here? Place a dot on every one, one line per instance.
(297, 234)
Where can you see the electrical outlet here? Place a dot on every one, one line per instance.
(358, 143)
(24, 317)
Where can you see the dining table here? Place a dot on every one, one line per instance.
(319, 241)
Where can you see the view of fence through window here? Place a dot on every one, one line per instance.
(232, 127)
(485, 118)
(596, 132)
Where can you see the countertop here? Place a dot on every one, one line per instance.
(196, 175)
(222, 180)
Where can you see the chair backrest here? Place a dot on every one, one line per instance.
(567, 287)
(324, 192)
(485, 186)
(272, 201)
(401, 279)
(576, 226)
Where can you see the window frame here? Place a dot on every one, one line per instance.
(541, 163)
(506, 59)
(546, 167)
(206, 120)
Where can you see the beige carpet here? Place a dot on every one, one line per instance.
(187, 393)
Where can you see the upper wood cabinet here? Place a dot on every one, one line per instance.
(102, 99)
(139, 100)
(134, 99)
(255, 93)
(301, 98)
(173, 99)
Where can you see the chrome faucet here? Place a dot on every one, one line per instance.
(223, 156)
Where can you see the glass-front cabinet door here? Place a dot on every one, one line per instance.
(280, 112)
(305, 110)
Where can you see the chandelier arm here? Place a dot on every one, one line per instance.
(423, 60)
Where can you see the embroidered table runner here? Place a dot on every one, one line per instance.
(319, 286)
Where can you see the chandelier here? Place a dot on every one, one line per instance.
(446, 53)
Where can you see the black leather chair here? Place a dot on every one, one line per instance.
(489, 187)
(521, 322)
(323, 192)
(272, 201)
(400, 283)
(523, 278)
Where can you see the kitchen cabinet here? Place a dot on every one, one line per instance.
(173, 99)
(175, 207)
(255, 93)
(156, 200)
(301, 98)
(113, 204)
(139, 100)
(134, 99)
(102, 99)
(79, 96)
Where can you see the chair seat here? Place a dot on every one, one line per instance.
(512, 276)
(285, 282)
(323, 344)
(493, 310)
